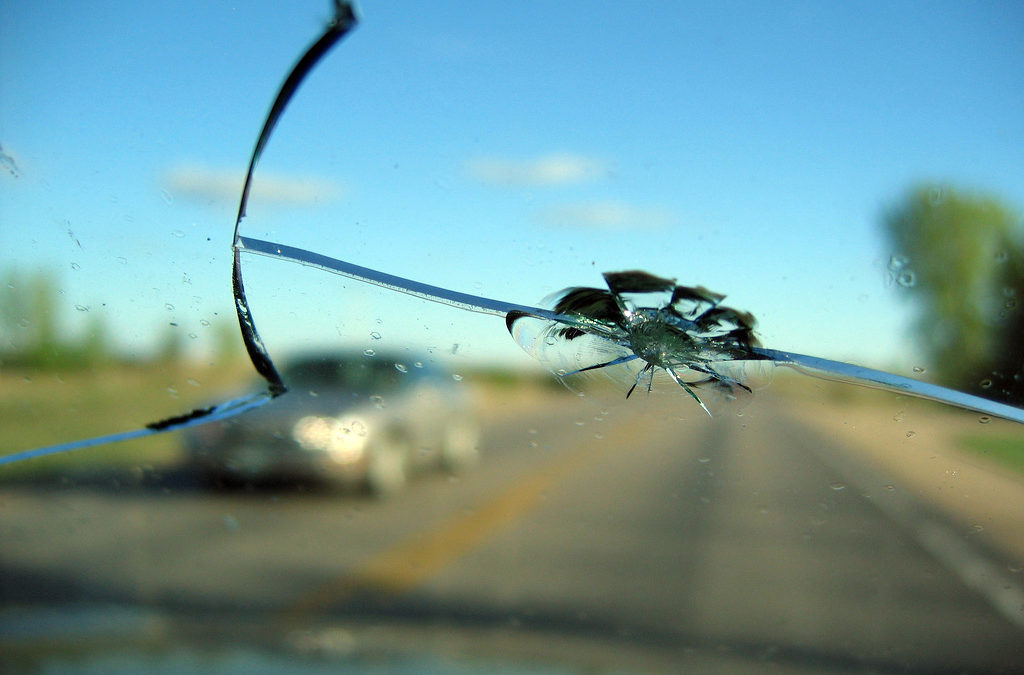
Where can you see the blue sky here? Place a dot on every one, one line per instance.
(508, 150)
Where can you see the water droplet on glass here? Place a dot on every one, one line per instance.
(580, 423)
(81, 308)
(375, 335)
(193, 336)
(169, 307)
(906, 279)
(400, 367)
(985, 384)
(984, 419)
(178, 234)
(890, 487)
(978, 527)
(918, 369)
(122, 260)
(194, 383)
(457, 377)
(911, 434)
(204, 323)
(837, 486)
(75, 266)
(377, 400)
(417, 364)
(166, 196)
(369, 352)
(599, 435)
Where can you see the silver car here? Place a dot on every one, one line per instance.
(349, 420)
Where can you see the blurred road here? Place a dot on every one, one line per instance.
(626, 539)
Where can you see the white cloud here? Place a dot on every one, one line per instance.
(202, 183)
(607, 215)
(554, 169)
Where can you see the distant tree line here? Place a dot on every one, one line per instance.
(32, 334)
(959, 256)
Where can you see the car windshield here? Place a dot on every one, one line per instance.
(522, 337)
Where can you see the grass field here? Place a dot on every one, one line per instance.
(41, 409)
(1006, 450)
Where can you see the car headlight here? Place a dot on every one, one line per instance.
(343, 440)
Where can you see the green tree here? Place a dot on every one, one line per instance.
(28, 316)
(171, 346)
(960, 259)
(93, 349)
(227, 342)
(30, 330)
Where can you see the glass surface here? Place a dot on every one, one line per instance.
(445, 488)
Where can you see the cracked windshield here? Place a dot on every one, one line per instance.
(528, 337)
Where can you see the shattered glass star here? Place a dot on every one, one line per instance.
(644, 323)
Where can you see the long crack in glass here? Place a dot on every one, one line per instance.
(641, 325)
(690, 336)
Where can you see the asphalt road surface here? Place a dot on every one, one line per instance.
(586, 538)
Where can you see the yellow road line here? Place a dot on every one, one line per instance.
(407, 564)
